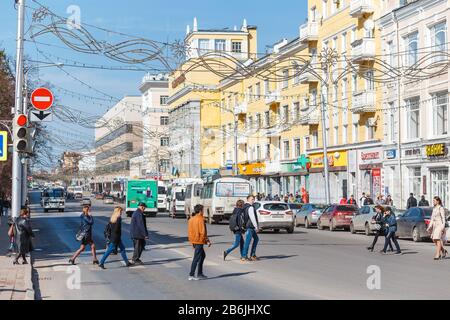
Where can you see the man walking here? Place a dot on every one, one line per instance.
(251, 226)
(139, 233)
(198, 237)
(412, 202)
(423, 202)
(351, 200)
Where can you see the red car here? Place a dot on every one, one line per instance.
(337, 216)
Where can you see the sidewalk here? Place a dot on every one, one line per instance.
(15, 280)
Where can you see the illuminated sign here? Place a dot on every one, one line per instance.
(435, 150)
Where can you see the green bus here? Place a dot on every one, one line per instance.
(142, 191)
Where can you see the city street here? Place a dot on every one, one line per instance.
(308, 264)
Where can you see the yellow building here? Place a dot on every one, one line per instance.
(194, 102)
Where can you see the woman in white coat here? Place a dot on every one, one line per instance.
(437, 228)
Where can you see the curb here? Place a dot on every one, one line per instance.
(28, 279)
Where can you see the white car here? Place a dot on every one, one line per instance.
(108, 200)
(274, 215)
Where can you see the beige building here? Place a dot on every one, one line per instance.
(118, 138)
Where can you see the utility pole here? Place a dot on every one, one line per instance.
(235, 144)
(324, 143)
(16, 163)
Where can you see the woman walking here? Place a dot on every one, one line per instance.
(437, 228)
(23, 234)
(115, 238)
(85, 235)
(390, 222)
(377, 220)
(237, 228)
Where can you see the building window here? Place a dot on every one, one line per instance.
(285, 114)
(335, 92)
(164, 121)
(344, 134)
(370, 131)
(250, 122)
(258, 121)
(392, 137)
(236, 46)
(297, 111)
(203, 45)
(164, 165)
(165, 142)
(258, 152)
(438, 41)
(224, 132)
(258, 91)
(297, 151)
(250, 94)
(344, 42)
(413, 117)
(219, 45)
(224, 160)
(267, 118)
(354, 83)
(268, 151)
(266, 87)
(336, 136)
(411, 44)
(353, 35)
(344, 89)
(163, 100)
(287, 152)
(285, 79)
(440, 113)
(355, 133)
(324, 9)
(370, 83)
(391, 53)
(315, 139)
(314, 97)
(415, 180)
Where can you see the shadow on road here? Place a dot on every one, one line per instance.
(280, 256)
(158, 262)
(236, 274)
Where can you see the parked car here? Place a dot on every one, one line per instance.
(295, 207)
(86, 202)
(363, 218)
(99, 196)
(337, 216)
(414, 223)
(274, 215)
(108, 200)
(309, 214)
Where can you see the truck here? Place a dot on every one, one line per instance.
(142, 191)
(78, 192)
(53, 199)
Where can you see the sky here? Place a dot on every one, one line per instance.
(158, 20)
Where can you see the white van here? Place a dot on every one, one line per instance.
(177, 201)
(193, 192)
(162, 197)
(219, 197)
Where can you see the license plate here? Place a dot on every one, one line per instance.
(278, 216)
(349, 217)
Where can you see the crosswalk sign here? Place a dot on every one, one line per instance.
(3, 145)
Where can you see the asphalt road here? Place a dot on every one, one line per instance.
(308, 264)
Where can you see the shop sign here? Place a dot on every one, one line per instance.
(412, 152)
(370, 156)
(292, 167)
(335, 159)
(436, 150)
(209, 172)
(391, 154)
(256, 168)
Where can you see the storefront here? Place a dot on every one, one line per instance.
(254, 172)
(273, 178)
(370, 167)
(337, 164)
(437, 165)
(293, 176)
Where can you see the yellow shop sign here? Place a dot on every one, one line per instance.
(256, 168)
(435, 150)
(335, 159)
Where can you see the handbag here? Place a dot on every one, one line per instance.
(377, 226)
(81, 234)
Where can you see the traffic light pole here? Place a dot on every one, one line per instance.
(16, 190)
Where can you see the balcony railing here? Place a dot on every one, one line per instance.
(360, 7)
(309, 31)
(313, 118)
(363, 101)
(308, 78)
(241, 108)
(273, 97)
(363, 50)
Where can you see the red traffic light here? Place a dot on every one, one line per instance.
(22, 120)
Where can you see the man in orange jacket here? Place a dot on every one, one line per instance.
(198, 236)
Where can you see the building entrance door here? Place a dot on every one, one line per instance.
(439, 185)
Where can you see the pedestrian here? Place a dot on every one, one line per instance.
(363, 198)
(198, 237)
(305, 196)
(251, 226)
(138, 232)
(380, 230)
(412, 202)
(390, 222)
(380, 201)
(389, 201)
(368, 200)
(12, 243)
(343, 201)
(436, 228)
(84, 235)
(237, 227)
(423, 202)
(115, 238)
(276, 198)
(23, 234)
(286, 199)
(351, 200)
(291, 198)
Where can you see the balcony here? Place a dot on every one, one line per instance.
(274, 132)
(273, 97)
(363, 50)
(241, 108)
(363, 101)
(309, 32)
(360, 7)
(308, 78)
(309, 118)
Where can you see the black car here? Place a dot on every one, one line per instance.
(414, 223)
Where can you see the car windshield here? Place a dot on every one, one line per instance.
(162, 190)
(276, 206)
(179, 196)
(346, 208)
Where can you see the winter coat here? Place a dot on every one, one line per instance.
(116, 231)
(197, 233)
(138, 226)
(23, 234)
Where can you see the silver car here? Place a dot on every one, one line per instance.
(363, 218)
(274, 215)
(309, 214)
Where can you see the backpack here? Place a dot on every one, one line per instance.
(237, 220)
(108, 231)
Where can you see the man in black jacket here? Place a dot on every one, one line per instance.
(139, 233)
(412, 202)
(252, 227)
(423, 202)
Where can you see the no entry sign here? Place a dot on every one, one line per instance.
(42, 99)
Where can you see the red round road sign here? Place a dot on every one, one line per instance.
(42, 99)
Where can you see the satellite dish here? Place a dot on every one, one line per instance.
(369, 25)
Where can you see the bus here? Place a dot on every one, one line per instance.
(78, 192)
(219, 197)
(193, 192)
(142, 191)
(162, 197)
(177, 198)
(53, 199)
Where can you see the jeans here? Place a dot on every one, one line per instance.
(238, 242)
(391, 235)
(377, 234)
(111, 248)
(249, 234)
(139, 245)
(199, 258)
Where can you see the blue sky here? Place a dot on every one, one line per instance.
(159, 20)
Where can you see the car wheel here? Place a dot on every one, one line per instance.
(352, 228)
(295, 222)
(319, 225)
(367, 230)
(416, 235)
(332, 228)
(307, 226)
(290, 230)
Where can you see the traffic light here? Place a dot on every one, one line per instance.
(23, 135)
